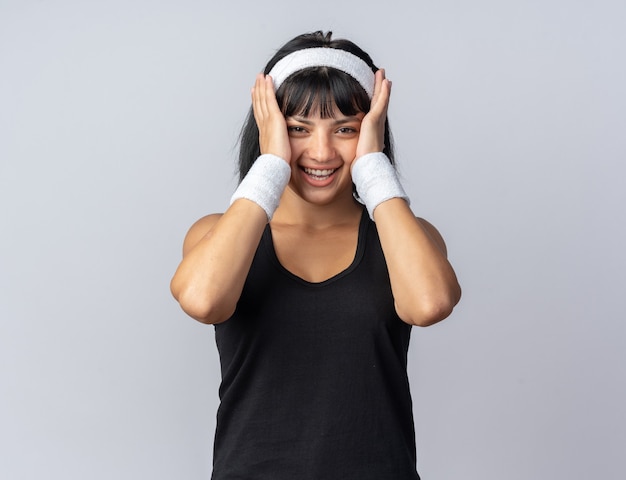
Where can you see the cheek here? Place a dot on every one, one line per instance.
(296, 146)
(349, 149)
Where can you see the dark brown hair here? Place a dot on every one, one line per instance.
(311, 89)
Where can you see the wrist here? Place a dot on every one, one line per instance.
(264, 183)
(376, 181)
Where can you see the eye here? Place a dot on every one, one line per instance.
(296, 129)
(347, 130)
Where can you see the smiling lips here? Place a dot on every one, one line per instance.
(319, 175)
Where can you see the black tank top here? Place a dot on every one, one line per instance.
(314, 380)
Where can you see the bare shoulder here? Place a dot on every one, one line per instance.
(199, 230)
(434, 234)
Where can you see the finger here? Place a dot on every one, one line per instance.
(265, 94)
(382, 90)
(379, 76)
(256, 98)
(270, 97)
(265, 98)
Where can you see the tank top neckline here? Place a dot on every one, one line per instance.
(268, 243)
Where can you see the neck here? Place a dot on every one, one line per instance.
(294, 210)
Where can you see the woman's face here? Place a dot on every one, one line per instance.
(322, 152)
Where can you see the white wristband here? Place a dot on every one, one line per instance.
(264, 183)
(376, 181)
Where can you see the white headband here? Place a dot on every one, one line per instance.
(324, 57)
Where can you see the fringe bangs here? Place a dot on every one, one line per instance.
(320, 89)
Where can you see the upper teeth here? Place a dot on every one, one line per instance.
(319, 173)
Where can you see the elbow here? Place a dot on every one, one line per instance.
(208, 316)
(427, 312)
(202, 308)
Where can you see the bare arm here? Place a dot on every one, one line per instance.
(219, 249)
(217, 255)
(424, 285)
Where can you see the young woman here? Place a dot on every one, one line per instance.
(314, 276)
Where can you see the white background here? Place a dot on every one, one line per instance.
(118, 129)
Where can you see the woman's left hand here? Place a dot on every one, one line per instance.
(372, 136)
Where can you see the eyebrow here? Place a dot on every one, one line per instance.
(339, 121)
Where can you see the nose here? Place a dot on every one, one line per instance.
(321, 148)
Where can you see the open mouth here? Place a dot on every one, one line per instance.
(319, 175)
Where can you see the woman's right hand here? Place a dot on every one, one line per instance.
(273, 134)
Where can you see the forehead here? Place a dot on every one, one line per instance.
(329, 111)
